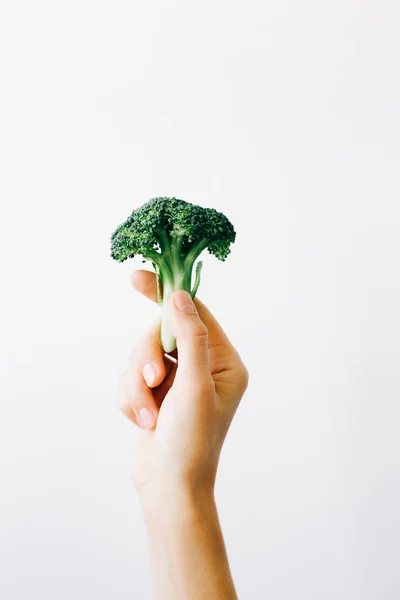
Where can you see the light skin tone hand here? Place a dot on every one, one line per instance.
(183, 408)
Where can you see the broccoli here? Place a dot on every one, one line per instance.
(172, 233)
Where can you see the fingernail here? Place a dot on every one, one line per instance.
(149, 373)
(146, 417)
(184, 302)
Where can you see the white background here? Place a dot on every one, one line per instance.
(285, 116)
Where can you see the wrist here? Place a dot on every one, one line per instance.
(174, 498)
(186, 544)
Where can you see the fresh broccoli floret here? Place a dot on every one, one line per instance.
(172, 234)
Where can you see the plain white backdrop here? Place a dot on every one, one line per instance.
(285, 115)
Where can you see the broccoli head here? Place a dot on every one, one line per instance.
(172, 233)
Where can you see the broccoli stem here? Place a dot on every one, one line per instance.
(174, 268)
(178, 279)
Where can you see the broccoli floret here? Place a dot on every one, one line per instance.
(172, 233)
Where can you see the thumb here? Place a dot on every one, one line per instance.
(191, 336)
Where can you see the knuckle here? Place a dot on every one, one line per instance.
(133, 355)
(200, 332)
(122, 381)
(147, 351)
(122, 391)
(124, 407)
(123, 404)
(131, 400)
(125, 387)
(207, 386)
(243, 377)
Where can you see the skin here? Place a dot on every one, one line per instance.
(183, 405)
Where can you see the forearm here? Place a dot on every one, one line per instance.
(187, 550)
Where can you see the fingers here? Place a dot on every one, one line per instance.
(146, 370)
(145, 282)
(191, 339)
(135, 400)
(149, 357)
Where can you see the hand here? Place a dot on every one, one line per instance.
(184, 408)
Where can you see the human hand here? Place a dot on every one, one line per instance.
(184, 408)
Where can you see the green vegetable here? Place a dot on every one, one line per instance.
(172, 234)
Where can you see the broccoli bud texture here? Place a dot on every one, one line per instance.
(171, 234)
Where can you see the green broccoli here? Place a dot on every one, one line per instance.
(172, 233)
